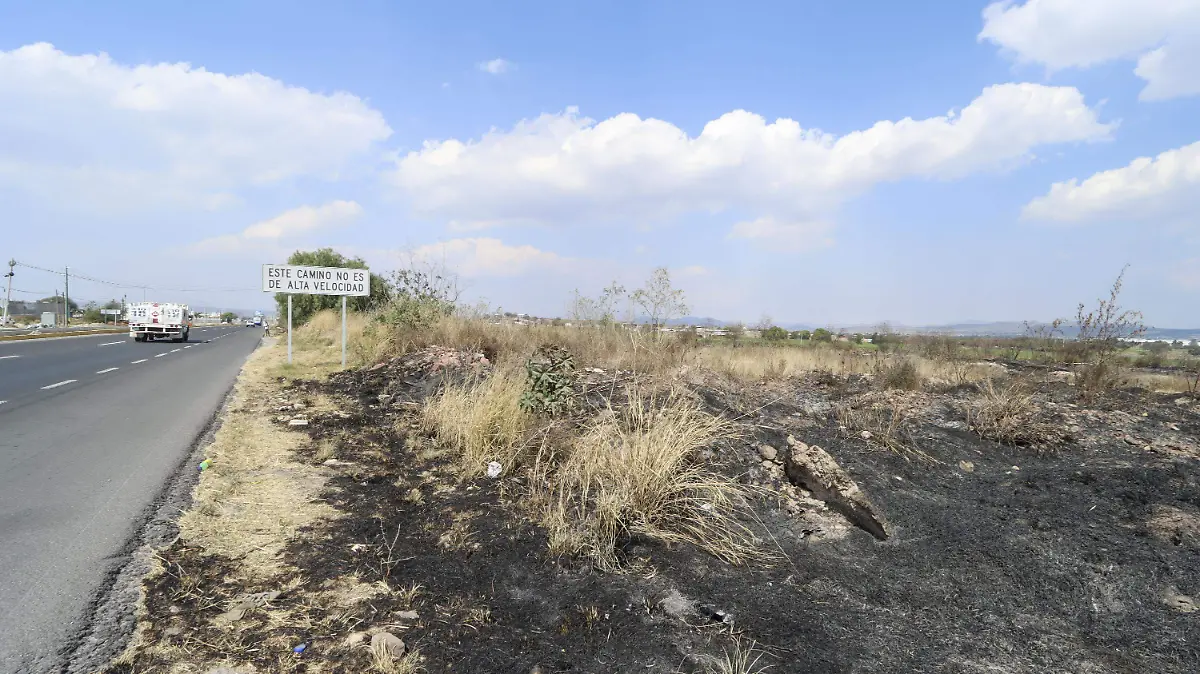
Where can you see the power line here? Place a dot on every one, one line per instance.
(115, 284)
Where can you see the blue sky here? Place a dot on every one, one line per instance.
(380, 129)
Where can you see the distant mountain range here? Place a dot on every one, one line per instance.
(965, 328)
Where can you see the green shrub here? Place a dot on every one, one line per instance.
(550, 379)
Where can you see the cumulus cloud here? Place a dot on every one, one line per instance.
(476, 257)
(267, 234)
(1163, 36)
(564, 168)
(85, 128)
(496, 66)
(1163, 186)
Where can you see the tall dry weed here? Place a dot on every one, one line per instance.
(634, 472)
(482, 419)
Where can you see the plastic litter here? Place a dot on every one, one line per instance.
(300, 648)
(204, 465)
(494, 468)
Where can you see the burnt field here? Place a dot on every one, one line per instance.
(882, 533)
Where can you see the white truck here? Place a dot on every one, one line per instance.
(152, 320)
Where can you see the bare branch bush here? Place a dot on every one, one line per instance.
(1100, 333)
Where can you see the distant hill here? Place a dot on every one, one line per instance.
(962, 329)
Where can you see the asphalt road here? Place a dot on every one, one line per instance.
(91, 429)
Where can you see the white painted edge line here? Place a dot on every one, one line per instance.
(61, 383)
(139, 361)
(107, 370)
(159, 355)
(3, 357)
(111, 343)
(174, 350)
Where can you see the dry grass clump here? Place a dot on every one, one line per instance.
(633, 472)
(481, 419)
(1008, 415)
(887, 421)
(742, 659)
(612, 347)
(752, 363)
(901, 374)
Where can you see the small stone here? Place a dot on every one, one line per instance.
(1129, 440)
(1016, 468)
(174, 610)
(1183, 401)
(1174, 427)
(791, 441)
(298, 421)
(677, 606)
(966, 466)
(767, 463)
(173, 631)
(386, 643)
(408, 615)
(865, 435)
(384, 397)
(767, 452)
(353, 639)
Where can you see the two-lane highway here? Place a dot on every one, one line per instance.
(91, 429)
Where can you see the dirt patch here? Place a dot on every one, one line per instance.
(996, 558)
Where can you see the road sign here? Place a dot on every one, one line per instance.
(294, 279)
(110, 312)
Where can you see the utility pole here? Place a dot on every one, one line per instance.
(8, 297)
(67, 296)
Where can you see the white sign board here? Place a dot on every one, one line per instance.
(293, 279)
(110, 312)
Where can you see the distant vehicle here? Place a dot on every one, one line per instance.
(151, 320)
(258, 319)
(250, 323)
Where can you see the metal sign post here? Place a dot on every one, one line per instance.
(292, 279)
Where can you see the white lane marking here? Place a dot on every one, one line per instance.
(159, 355)
(61, 383)
(3, 357)
(3, 401)
(111, 343)
(139, 361)
(174, 350)
(108, 370)
(189, 346)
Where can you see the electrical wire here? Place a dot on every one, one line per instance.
(85, 277)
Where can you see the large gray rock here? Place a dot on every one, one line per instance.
(812, 468)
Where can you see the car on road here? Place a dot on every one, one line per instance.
(249, 323)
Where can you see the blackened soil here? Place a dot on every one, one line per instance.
(1018, 561)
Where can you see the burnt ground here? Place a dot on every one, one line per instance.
(1082, 557)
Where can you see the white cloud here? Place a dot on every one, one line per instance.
(1146, 188)
(788, 237)
(1162, 35)
(496, 66)
(564, 168)
(86, 129)
(267, 234)
(475, 257)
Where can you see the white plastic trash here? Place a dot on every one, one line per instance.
(494, 469)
